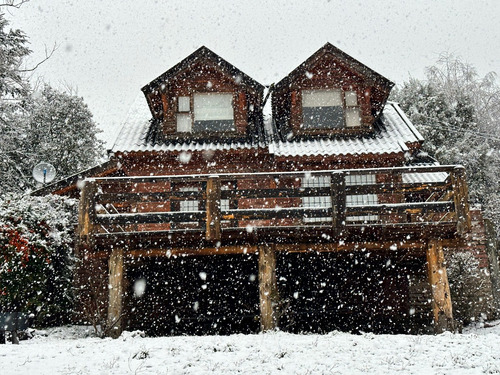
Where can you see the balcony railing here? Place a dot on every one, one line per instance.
(319, 204)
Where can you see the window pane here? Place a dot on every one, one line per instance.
(214, 126)
(213, 112)
(322, 109)
(183, 122)
(321, 98)
(213, 107)
(361, 200)
(352, 117)
(351, 99)
(323, 117)
(183, 104)
(189, 205)
(360, 179)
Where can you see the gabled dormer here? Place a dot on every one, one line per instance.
(329, 94)
(202, 97)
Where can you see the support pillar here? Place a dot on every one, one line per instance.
(115, 302)
(440, 288)
(494, 267)
(268, 288)
(86, 218)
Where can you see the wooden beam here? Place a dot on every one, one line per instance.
(177, 252)
(268, 288)
(392, 246)
(149, 217)
(338, 197)
(131, 180)
(494, 267)
(461, 199)
(213, 209)
(410, 247)
(438, 279)
(164, 104)
(86, 217)
(115, 302)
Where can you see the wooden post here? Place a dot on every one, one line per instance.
(440, 289)
(86, 216)
(213, 209)
(338, 197)
(494, 267)
(268, 288)
(115, 302)
(461, 200)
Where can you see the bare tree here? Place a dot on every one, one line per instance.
(13, 3)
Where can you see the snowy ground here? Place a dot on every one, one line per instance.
(70, 350)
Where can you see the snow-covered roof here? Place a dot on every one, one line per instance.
(133, 135)
(393, 135)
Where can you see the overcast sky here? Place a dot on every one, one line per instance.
(108, 50)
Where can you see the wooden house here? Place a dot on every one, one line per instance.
(228, 206)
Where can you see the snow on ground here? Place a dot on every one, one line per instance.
(72, 350)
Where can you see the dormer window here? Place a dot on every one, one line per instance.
(210, 112)
(330, 109)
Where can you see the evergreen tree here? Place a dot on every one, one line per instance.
(46, 125)
(61, 131)
(14, 91)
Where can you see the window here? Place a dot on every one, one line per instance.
(184, 119)
(351, 200)
(189, 205)
(211, 112)
(184, 122)
(318, 201)
(352, 115)
(224, 203)
(330, 109)
(183, 104)
(361, 199)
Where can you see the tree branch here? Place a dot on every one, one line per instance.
(48, 55)
(13, 3)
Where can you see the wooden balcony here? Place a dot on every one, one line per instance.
(417, 210)
(199, 213)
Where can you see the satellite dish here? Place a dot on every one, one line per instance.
(44, 172)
